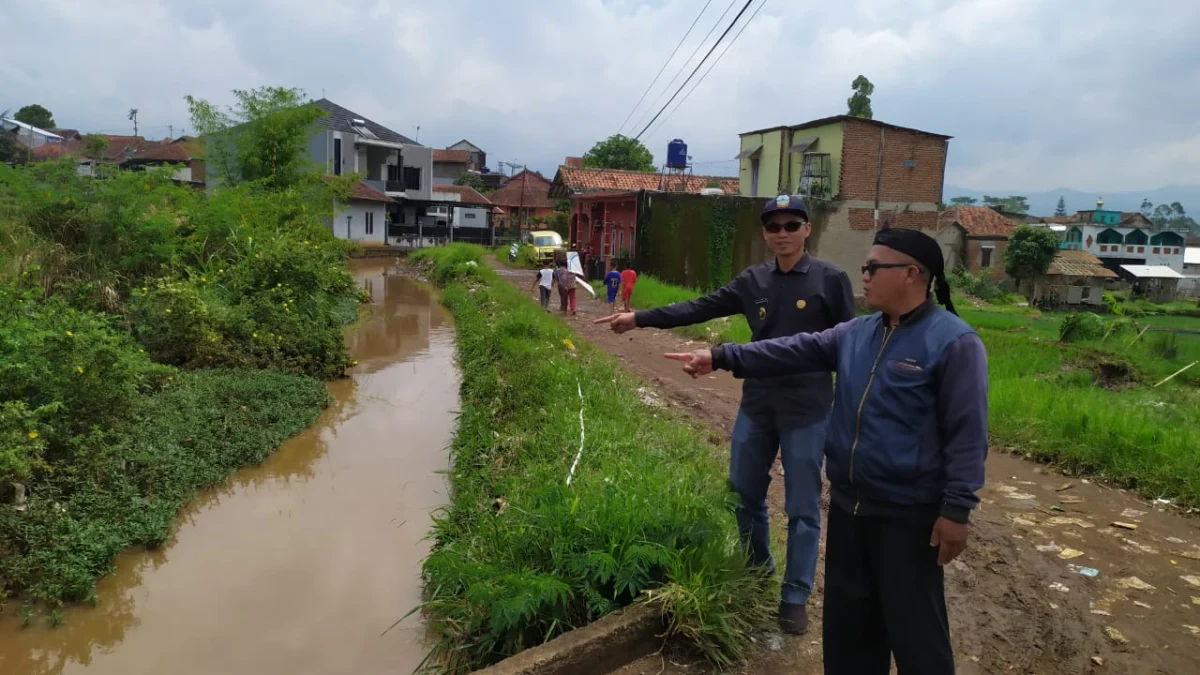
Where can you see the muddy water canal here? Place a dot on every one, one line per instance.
(297, 565)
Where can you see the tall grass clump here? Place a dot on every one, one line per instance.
(519, 556)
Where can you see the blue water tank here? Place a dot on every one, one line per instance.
(677, 154)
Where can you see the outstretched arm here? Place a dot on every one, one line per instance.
(800, 353)
(725, 301)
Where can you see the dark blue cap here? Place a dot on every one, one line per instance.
(786, 204)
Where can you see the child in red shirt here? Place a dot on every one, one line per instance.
(628, 279)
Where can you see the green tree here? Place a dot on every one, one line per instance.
(619, 152)
(1061, 209)
(1147, 208)
(35, 115)
(11, 152)
(262, 137)
(1011, 203)
(963, 201)
(860, 102)
(470, 179)
(1030, 252)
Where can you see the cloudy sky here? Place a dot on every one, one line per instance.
(1097, 95)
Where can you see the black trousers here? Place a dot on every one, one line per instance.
(884, 597)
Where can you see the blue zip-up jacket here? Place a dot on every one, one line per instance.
(908, 426)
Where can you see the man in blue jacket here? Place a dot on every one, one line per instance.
(905, 450)
(794, 294)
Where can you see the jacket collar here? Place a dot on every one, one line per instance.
(801, 265)
(909, 318)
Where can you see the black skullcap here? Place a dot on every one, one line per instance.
(926, 251)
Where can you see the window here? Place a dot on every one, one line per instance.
(370, 225)
(1103, 248)
(620, 240)
(1156, 250)
(1141, 249)
(469, 216)
(337, 157)
(986, 256)
(349, 221)
(412, 178)
(754, 177)
(393, 172)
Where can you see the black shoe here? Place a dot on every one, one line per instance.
(793, 618)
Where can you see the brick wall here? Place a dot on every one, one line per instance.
(860, 161)
(974, 256)
(864, 219)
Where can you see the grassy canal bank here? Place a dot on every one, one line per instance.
(520, 556)
(153, 339)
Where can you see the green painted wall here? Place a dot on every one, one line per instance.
(829, 141)
(768, 163)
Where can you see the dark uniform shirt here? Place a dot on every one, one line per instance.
(811, 297)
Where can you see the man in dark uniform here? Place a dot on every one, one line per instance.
(905, 455)
(794, 294)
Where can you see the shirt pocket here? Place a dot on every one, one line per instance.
(907, 393)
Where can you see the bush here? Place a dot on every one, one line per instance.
(979, 284)
(1080, 326)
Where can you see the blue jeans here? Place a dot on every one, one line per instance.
(755, 442)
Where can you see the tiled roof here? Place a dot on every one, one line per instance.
(451, 156)
(526, 189)
(978, 221)
(1060, 220)
(340, 119)
(1079, 264)
(466, 193)
(570, 180)
(51, 151)
(366, 193)
(66, 133)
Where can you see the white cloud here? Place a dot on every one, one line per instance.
(1098, 95)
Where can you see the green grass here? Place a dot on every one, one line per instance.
(650, 293)
(520, 557)
(129, 481)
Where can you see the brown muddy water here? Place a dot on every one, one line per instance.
(297, 565)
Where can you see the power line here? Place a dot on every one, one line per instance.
(664, 65)
(710, 67)
(683, 66)
(698, 65)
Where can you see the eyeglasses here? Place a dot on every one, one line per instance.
(871, 268)
(790, 226)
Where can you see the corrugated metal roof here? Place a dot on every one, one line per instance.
(27, 127)
(1152, 271)
(1191, 255)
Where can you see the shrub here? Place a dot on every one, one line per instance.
(1080, 326)
(978, 284)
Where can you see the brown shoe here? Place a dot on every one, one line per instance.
(793, 618)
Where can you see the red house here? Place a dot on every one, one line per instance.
(604, 202)
(526, 195)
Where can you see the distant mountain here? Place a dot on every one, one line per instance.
(1044, 203)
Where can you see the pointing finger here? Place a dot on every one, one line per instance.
(679, 357)
(606, 319)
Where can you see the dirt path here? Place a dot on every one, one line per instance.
(1016, 602)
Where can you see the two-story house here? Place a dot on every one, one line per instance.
(1118, 238)
(859, 174)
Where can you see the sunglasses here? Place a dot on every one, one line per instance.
(790, 226)
(871, 268)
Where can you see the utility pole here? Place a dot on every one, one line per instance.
(133, 116)
(171, 131)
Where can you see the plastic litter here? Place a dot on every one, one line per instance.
(1135, 584)
(1061, 588)
(1098, 660)
(1064, 486)
(1020, 495)
(1069, 553)
(1049, 548)
(1143, 605)
(1057, 509)
(1071, 499)
(1132, 514)
(1115, 636)
(1196, 600)
(1195, 630)
(1091, 572)
(1162, 502)
(1124, 526)
(1134, 547)
(1193, 580)
(1063, 520)
(1191, 554)
(1176, 540)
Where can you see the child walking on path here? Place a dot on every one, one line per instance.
(544, 282)
(612, 281)
(628, 279)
